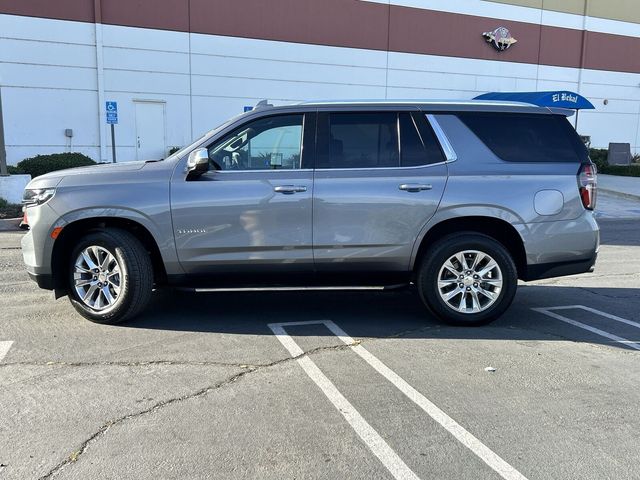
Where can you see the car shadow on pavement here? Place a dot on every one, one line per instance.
(382, 314)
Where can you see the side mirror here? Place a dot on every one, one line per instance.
(197, 163)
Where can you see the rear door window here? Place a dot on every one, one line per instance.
(358, 140)
(527, 137)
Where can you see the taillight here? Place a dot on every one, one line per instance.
(587, 184)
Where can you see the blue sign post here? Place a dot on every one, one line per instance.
(112, 119)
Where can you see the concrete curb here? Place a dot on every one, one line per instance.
(628, 196)
(9, 224)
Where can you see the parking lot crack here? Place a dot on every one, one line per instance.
(150, 363)
(247, 369)
(410, 331)
(15, 283)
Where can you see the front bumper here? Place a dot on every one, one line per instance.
(37, 244)
(44, 280)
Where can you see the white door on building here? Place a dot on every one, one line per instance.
(150, 131)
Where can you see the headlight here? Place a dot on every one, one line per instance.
(37, 196)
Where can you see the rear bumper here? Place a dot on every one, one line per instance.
(559, 269)
(559, 248)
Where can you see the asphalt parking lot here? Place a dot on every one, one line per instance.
(326, 384)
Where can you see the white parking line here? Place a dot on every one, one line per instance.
(4, 349)
(500, 466)
(597, 312)
(366, 432)
(630, 343)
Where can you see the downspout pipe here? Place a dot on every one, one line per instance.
(3, 151)
(583, 51)
(102, 135)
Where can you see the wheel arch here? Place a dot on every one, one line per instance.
(65, 242)
(496, 228)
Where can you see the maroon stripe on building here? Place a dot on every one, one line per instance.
(351, 23)
(159, 14)
(455, 35)
(605, 51)
(77, 10)
(341, 23)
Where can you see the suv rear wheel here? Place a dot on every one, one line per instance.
(467, 279)
(110, 276)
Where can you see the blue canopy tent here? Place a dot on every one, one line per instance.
(557, 99)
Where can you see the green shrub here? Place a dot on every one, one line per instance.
(9, 210)
(599, 157)
(623, 170)
(41, 164)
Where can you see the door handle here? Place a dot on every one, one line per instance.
(289, 189)
(414, 187)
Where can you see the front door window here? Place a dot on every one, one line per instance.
(271, 143)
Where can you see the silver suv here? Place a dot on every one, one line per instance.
(460, 199)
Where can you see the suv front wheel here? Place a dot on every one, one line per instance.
(467, 279)
(110, 276)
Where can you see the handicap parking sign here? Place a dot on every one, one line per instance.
(112, 112)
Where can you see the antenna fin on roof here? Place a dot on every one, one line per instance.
(262, 104)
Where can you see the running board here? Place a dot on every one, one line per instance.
(294, 289)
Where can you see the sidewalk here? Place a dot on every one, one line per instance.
(623, 186)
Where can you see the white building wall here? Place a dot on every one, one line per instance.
(48, 84)
(48, 77)
(145, 64)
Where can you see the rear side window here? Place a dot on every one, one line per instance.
(361, 140)
(417, 147)
(527, 137)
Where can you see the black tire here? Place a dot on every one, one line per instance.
(136, 279)
(444, 249)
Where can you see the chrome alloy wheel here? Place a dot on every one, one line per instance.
(97, 277)
(470, 281)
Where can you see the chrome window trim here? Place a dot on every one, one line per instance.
(448, 150)
(270, 170)
(373, 169)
